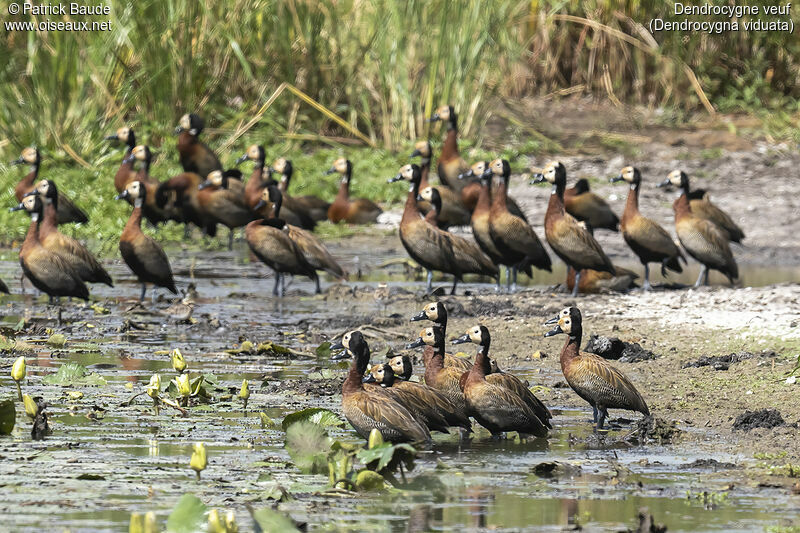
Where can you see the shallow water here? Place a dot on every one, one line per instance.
(141, 460)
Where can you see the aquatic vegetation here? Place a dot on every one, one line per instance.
(31, 409)
(178, 362)
(18, 373)
(199, 459)
(8, 416)
(244, 393)
(73, 374)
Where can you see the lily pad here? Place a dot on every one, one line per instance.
(188, 515)
(8, 416)
(308, 445)
(270, 347)
(315, 415)
(72, 374)
(269, 521)
(324, 350)
(384, 454)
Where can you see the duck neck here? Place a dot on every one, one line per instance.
(450, 147)
(483, 365)
(434, 362)
(32, 237)
(411, 211)
(185, 140)
(135, 220)
(353, 382)
(49, 219)
(500, 196)
(632, 203)
(484, 201)
(31, 176)
(286, 178)
(681, 205)
(344, 187)
(424, 169)
(571, 349)
(556, 203)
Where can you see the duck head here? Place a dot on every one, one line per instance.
(254, 153)
(568, 321)
(434, 311)
(630, 175)
(270, 194)
(554, 172)
(422, 149)
(215, 179)
(410, 173)
(191, 123)
(431, 195)
(30, 155)
(477, 335)
(429, 337)
(283, 167)
(446, 113)
(676, 178)
(47, 190)
(124, 134)
(477, 169)
(382, 374)
(135, 191)
(31, 204)
(401, 366)
(343, 167)
(500, 168)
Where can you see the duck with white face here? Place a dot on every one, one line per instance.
(499, 409)
(648, 240)
(143, 255)
(344, 208)
(567, 237)
(593, 378)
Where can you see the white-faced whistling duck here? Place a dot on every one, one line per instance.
(223, 199)
(125, 173)
(343, 208)
(430, 406)
(450, 164)
(495, 407)
(443, 378)
(589, 208)
(468, 254)
(701, 238)
(452, 212)
(183, 189)
(269, 240)
(519, 246)
(593, 378)
(368, 408)
(479, 221)
(48, 272)
(648, 240)
(312, 248)
(429, 246)
(153, 212)
(568, 238)
(314, 207)
(195, 156)
(143, 255)
(436, 312)
(703, 208)
(67, 211)
(258, 181)
(471, 192)
(68, 248)
(401, 366)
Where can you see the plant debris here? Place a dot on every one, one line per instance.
(616, 349)
(763, 418)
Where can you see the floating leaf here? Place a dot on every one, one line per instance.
(270, 521)
(315, 415)
(57, 341)
(188, 515)
(72, 374)
(276, 491)
(368, 480)
(324, 350)
(384, 454)
(308, 445)
(8, 416)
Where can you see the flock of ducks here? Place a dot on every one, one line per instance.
(279, 226)
(456, 389)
